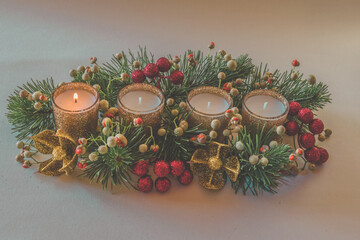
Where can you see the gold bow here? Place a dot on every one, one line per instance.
(212, 163)
(63, 150)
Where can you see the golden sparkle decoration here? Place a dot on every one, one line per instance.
(212, 164)
(63, 150)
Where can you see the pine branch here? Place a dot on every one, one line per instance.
(258, 178)
(114, 168)
(26, 120)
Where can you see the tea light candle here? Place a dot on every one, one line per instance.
(75, 107)
(141, 100)
(206, 104)
(209, 103)
(264, 106)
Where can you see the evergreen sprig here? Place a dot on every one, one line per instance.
(115, 166)
(26, 120)
(258, 178)
(173, 147)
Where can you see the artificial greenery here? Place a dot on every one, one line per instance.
(26, 120)
(114, 167)
(258, 178)
(173, 147)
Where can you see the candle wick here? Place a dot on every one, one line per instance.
(265, 104)
(139, 100)
(209, 103)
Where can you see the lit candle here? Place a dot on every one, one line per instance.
(264, 106)
(75, 100)
(206, 104)
(209, 103)
(141, 100)
(75, 107)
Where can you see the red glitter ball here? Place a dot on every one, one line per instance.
(141, 168)
(312, 154)
(186, 178)
(138, 76)
(145, 184)
(177, 167)
(163, 64)
(151, 70)
(307, 140)
(294, 108)
(162, 184)
(161, 168)
(295, 63)
(305, 115)
(324, 155)
(316, 126)
(176, 77)
(292, 128)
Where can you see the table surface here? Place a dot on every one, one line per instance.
(39, 39)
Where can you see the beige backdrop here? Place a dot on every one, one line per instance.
(39, 39)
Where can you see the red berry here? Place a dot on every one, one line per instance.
(42, 97)
(138, 76)
(78, 151)
(294, 108)
(161, 168)
(307, 140)
(190, 55)
(316, 126)
(163, 64)
(295, 63)
(292, 157)
(139, 121)
(141, 168)
(292, 128)
(91, 58)
(305, 115)
(177, 167)
(269, 80)
(79, 141)
(119, 142)
(312, 154)
(109, 115)
(25, 166)
(151, 70)
(324, 155)
(176, 77)
(80, 165)
(84, 165)
(193, 139)
(145, 184)
(88, 70)
(186, 178)
(162, 184)
(229, 111)
(235, 119)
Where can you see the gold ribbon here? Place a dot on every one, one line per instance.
(212, 163)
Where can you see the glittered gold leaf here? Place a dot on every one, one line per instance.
(46, 141)
(232, 167)
(214, 180)
(66, 141)
(69, 165)
(199, 161)
(50, 167)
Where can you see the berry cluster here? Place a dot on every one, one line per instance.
(37, 97)
(153, 70)
(306, 140)
(161, 169)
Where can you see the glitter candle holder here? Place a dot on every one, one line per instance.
(197, 117)
(252, 119)
(151, 117)
(77, 123)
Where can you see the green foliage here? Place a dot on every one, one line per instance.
(258, 178)
(115, 166)
(174, 147)
(26, 120)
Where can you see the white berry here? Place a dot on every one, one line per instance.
(253, 159)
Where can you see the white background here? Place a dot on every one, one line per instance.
(39, 39)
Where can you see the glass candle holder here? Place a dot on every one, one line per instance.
(206, 104)
(141, 100)
(264, 107)
(76, 109)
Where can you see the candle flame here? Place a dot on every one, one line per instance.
(76, 97)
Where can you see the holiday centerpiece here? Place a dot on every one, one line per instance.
(142, 123)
